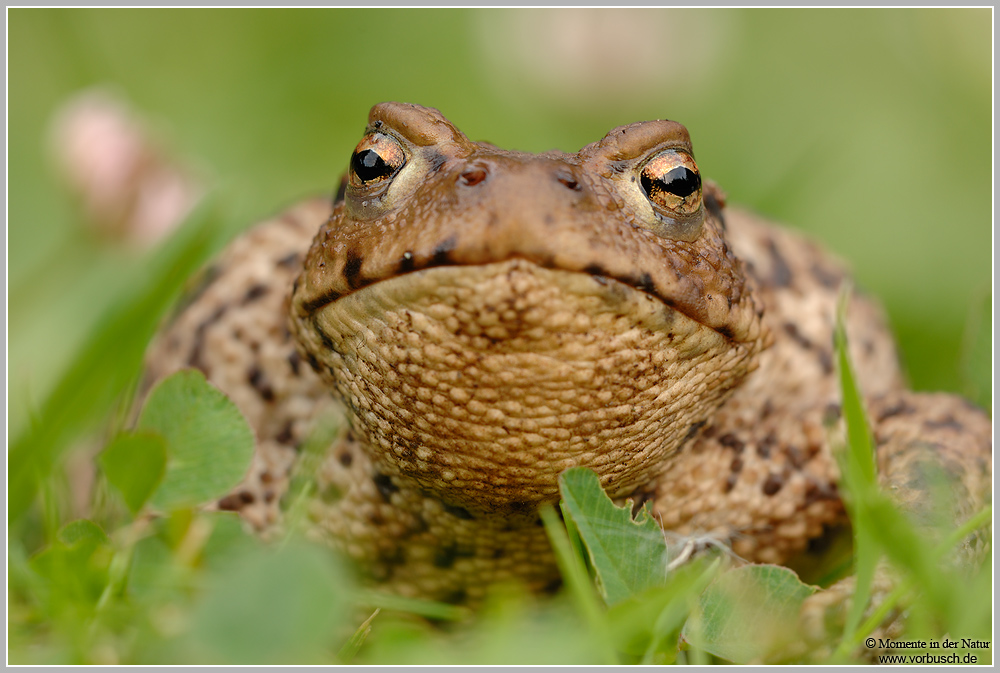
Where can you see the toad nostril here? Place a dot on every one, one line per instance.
(473, 177)
(569, 182)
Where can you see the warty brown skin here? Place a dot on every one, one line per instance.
(485, 319)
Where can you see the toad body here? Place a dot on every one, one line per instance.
(485, 319)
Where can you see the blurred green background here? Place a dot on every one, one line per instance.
(871, 129)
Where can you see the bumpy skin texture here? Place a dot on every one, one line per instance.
(485, 319)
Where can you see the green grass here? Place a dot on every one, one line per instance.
(874, 136)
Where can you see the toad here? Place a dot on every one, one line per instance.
(485, 319)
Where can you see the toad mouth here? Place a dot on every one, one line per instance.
(682, 297)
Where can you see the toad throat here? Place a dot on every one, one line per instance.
(481, 384)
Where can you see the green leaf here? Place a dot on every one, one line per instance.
(858, 475)
(354, 643)
(209, 444)
(75, 567)
(747, 613)
(578, 583)
(628, 556)
(436, 610)
(82, 531)
(859, 460)
(272, 607)
(648, 626)
(135, 464)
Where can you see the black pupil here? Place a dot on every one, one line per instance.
(681, 182)
(368, 166)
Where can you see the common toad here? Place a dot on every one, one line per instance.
(486, 319)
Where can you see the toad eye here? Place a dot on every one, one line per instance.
(376, 160)
(672, 183)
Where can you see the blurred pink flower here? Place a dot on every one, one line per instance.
(128, 187)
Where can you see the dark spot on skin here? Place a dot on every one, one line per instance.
(285, 436)
(552, 587)
(820, 545)
(314, 363)
(947, 422)
(346, 458)
(828, 279)
(320, 301)
(256, 378)
(196, 288)
(646, 283)
(437, 160)
(773, 484)
(456, 597)
(793, 331)
(231, 503)
(731, 441)
(730, 482)
(385, 486)
(289, 261)
(765, 446)
(825, 361)
(294, 360)
(595, 270)
(444, 557)
(266, 478)
(254, 293)
(458, 512)
(352, 269)
(816, 492)
(781, 275)
(416, 527)
(396, 557)
(796, 458)
(246, 497)
(406, 263)
(725, 330)
(341, 191)
(195, 359)
(693, 430)
(324, 337)
(269, 497)
(736, 465)
(442, 253)
(896, 410)
(715, 208)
